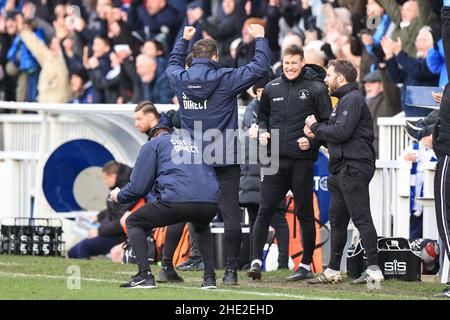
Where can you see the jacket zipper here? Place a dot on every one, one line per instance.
(286, 115)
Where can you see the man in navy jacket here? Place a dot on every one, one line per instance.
(208, 101)
(184, 192)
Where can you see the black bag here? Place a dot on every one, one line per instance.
(396, 260)
(128, 254)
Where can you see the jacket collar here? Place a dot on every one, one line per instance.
(342, 91)
(206, 61)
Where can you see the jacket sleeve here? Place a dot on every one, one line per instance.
(392, 9)
(391, 92)
(36, 46)
(177, 60)
(434, 60)
(413, 66)
(344, 127)
(164, 91)
(143, 175)
(395, 73)
(242, 78)
(264, 111)
(273, 28)
(324, 109)
(99, 81)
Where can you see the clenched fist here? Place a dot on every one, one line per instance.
(303, 143)
(264, 138)
(188, 33)
(256, 31)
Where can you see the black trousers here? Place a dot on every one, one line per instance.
(229, 210)
(295, 175)
(281, 227)
(442, 199)
(160, 214)
(349, 189)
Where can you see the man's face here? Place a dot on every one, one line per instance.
(373, 9)
(110, 179)
(76, 83)
(373, 89)
(292, 66)
(154, 6)
(11, 26)
(103, 8)
(143, 122)
(424, 41)
(149, 49)
(228, 6)
(145, 67)
(331, 80)
(100, 47)
(409, 11)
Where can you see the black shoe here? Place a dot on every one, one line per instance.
(195, 266)
(188, 262)
(255, 271)
(300, 274)
(444, 294)
(416, 125)
(166, 275)
(143, 280)
(209, 282)
(230, 277)
(412, 133)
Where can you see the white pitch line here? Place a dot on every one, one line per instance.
(263, 294)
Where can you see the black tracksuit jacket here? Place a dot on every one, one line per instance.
(349, 132)
(285, 104)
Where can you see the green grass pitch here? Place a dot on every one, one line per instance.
(24, 277)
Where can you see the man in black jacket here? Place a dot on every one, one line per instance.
(285, 104)
(349, 136)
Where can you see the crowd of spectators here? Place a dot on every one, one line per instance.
(113, 51)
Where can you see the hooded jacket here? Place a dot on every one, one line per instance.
(207, 93)
(349, 132)
(285, 104)
(109, 218)
(158, 169)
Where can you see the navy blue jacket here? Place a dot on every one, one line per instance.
(169, 181)
(207, 92)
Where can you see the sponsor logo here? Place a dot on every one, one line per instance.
(275, 83)
(188, 104)
(395, 267)
(303, 94)
(278, 99)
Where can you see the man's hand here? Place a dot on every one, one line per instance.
(113, 194)
(303, 143)
(437, 96)
(308, 132)
(387, 46)
(256, 31)
(264, 138)
(310, 120)
(412, 156)
(367, 39)
(253, 131)
(396, 46)
(188, 33)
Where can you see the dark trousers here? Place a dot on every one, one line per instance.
(442, 200)
(92, 247)
(160, 214)
(229, 210)
(281, 227)
(349, 190)
(295, 175)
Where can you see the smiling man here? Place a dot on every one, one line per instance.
(285, 104)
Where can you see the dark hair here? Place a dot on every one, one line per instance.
(346, 68)
(106, 40)
(146, 107)
(189, 59)
(111, 167)
(204, 48)
(293, 50)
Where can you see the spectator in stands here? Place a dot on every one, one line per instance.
(409, 19)
(383, 99)
(410, 70)
(436, 60)
(154, 85)
(81, 90)
(53, 85)
(96, 24)
(110, 233)
(155, 19)
(8, 31)
(194, 14)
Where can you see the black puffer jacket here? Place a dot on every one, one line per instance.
(285, 104)
(109, 218)
(349, 132)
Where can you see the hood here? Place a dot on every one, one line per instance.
(203, 79)
(123, 176)
(342, 91)
(309, 72)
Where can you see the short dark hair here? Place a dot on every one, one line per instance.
(146, 107)
(346, 68)
(293, 50)
(204, 48)
(105, 39)
(111, 167)
(189, 59)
